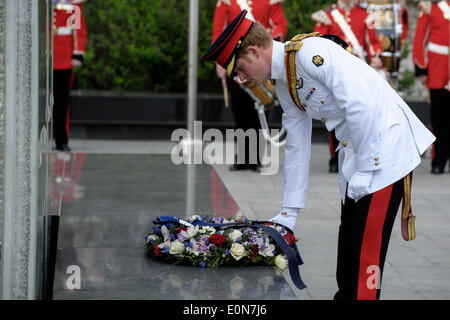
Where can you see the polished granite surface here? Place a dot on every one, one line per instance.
(107, 203)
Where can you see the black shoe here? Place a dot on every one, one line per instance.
(437, 170)
(63, 147)
(333, 168)
(238, 167)
(256, 167)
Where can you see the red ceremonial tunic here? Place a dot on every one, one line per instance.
(267, 12)
(69, 32)
(356, 18)
(432, 28)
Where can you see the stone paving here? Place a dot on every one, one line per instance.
(418, 269)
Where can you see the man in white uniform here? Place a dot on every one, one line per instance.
(381, 139)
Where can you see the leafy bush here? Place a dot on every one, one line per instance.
(142, 45)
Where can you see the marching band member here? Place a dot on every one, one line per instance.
(69, 45)
(380, 139)
(431, 59)
(270, 14)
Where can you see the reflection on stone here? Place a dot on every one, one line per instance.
(103, 234)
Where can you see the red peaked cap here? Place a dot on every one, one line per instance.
(224, 49)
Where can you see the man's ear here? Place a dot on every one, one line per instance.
(253, 50)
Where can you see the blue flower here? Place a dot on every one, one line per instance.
(227, 252)
(157, 230)
(202, 264)
(166, 250)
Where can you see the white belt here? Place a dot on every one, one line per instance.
(437, 48)
(64, 31)
(64, 6)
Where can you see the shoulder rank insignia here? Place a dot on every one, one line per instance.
(317, 60)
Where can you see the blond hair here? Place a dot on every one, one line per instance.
(257, 36)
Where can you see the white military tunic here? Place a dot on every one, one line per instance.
(376, 129)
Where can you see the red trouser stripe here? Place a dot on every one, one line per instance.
(330, 143)
(371, 245)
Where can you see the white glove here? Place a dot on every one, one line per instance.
(359, 184)
(287, 217)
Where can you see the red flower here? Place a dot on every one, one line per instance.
(156, 250)
(217, 239)
(268, 223)
(253, 252)
(181, 229)
(290, 239)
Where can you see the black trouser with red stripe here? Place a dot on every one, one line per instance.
(61, 94)
(364, 235)
(333, 142)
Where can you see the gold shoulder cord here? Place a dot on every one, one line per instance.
(289, 62)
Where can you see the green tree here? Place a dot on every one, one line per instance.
(142, 45)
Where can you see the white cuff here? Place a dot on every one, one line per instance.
(291, 211)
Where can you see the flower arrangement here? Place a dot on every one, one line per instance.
(204, 246)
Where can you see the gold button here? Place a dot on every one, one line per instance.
(376, 158)
(377, 163)
(322, 102)
(324, 120)
(344, 143)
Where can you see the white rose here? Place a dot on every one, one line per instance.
(176, 248)
(235, 234)
(237, 251)
(154, 237)
(281, 261)
(207, 229)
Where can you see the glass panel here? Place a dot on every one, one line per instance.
(45, 8)
(2, 134)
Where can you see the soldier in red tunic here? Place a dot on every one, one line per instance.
(350, 22)
(69, 44)
(270, 14)
(431, 59)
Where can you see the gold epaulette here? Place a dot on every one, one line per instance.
(289, 62)
(301, 36)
